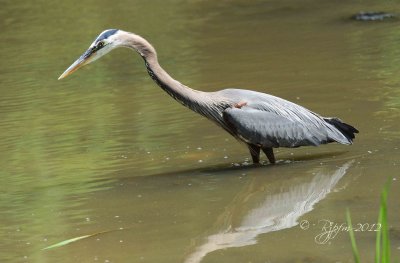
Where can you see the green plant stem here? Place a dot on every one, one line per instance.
(352, 238)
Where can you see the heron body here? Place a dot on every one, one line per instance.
(261, 121)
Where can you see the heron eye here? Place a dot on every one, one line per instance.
(100, 45)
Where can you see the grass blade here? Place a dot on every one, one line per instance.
(382, 248)
(385, 228)
(68, 241)
(352, 238)
(71, 240)
(379, 237)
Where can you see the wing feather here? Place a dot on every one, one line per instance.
(274, 122)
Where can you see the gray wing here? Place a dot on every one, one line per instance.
(274, 122)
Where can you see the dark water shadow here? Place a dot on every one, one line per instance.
(232, 169)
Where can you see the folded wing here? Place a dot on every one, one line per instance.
(279, 123)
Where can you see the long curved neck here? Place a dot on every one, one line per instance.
(190, 98)
(174, 88)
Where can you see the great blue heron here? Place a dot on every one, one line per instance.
(260, 120)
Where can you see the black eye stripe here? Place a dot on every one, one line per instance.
(98, 46)
(94, 49)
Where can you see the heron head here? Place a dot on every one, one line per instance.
(103, 44)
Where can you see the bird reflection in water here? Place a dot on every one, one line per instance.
(277, 211)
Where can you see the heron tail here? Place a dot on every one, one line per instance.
(347, 130)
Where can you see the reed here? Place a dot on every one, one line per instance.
(382, 244)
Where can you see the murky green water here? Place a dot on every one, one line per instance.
(106, 151)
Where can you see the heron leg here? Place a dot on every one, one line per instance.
(255, 152)
(269, 152)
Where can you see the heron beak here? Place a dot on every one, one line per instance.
(80, 62)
